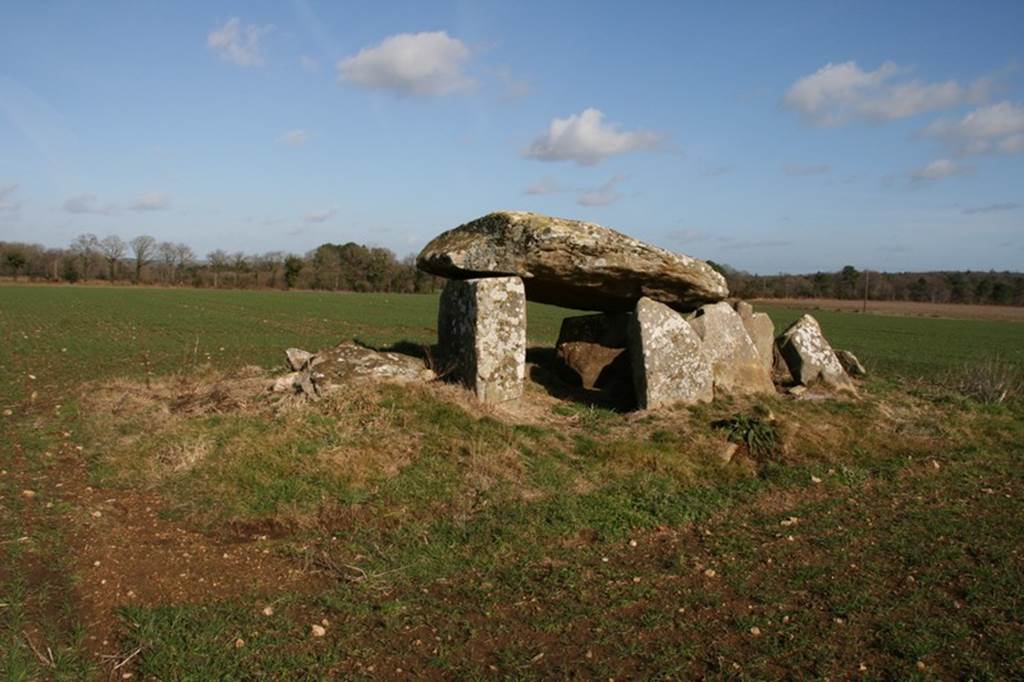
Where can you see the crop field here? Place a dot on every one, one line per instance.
(163, 517)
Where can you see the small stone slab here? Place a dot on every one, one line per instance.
(593, 348)
(296, 358)
(668, 361)
(809, 355)
(735, 361)
(481, 329)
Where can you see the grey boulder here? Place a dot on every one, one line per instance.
(809, 355)
(667, 358)
(572, 263)
(850, 363)
(736, 364)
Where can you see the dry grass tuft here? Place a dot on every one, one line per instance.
(990, 381)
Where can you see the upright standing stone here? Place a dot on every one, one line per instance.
(761, 331)
(668, 361)
(809, 355)
(481, 329)
(735, 361)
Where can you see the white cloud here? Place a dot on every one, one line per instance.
(586, 139)
(544, 186)
(838, 93)
(936, 170)
(87, 203)
(239, 44)
(295, 138)
(320, 216)
(799, 170)
(995, 128)
(151, 201)
(410, 63)
(603, 195)
(6, 203)
(308, 63)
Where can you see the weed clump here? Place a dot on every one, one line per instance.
(756, 430)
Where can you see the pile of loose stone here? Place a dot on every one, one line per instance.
(663, 321)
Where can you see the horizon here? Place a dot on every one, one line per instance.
(888, 138)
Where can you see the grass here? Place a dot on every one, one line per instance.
(880, 538)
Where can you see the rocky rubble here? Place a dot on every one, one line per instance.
(317, 374)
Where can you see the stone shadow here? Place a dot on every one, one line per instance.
(612, 392)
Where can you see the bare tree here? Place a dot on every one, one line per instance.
(240, 265)
(85, 248)
(218, 260)
(142, 247)
(113, 248)
(186, 256)
(168, 254)
(273, 260)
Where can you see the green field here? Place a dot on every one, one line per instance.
(878, 537)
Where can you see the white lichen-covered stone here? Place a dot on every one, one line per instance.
(736, 364)
(809, 355)
(668, 361)
(481, 329)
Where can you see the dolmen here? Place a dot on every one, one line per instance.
(661, 318)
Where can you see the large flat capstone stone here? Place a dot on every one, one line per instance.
(809, 355)
(667, 356)
(572, 263)
(481, 329)
(736, 364)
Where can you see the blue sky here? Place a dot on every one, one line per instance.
(770, 136)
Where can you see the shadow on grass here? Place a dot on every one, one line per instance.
(614, 392)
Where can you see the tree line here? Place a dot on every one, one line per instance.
(144, 260)
(991, 287)
(354, 267)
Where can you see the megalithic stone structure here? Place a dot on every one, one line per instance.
(481, 329)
